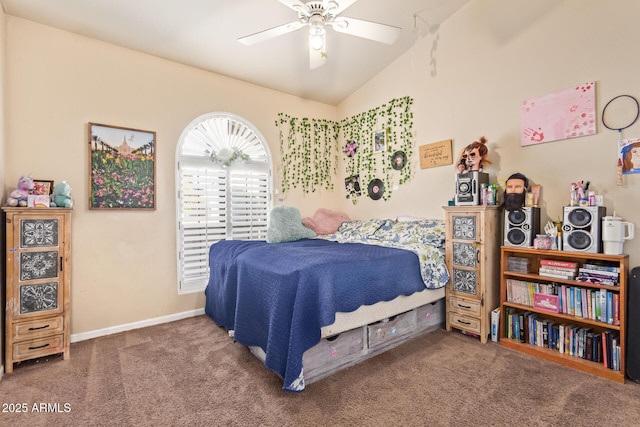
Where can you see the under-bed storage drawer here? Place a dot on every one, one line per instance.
(431, 316)
(332, 352)
(383, 332)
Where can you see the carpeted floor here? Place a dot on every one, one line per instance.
(190, 373)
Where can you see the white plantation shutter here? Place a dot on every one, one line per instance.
(215, 201)
(249, 205)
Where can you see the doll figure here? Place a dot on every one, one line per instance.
(473, 157)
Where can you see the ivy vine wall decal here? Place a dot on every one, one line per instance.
(309, 149)
(309, 152)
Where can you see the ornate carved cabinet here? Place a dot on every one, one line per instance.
(473, 260)
(37, 283)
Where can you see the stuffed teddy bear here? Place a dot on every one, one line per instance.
(19, 196)
(61, 196)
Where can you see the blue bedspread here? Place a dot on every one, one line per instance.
(279, 295)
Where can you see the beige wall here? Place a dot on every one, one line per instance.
(467, 80)
(123, 263)
(470, 77)
(3, 37)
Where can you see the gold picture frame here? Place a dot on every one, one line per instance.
(42, 187)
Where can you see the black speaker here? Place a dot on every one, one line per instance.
(468, 187)
(521, 226)
(633, 325)
(582, 228)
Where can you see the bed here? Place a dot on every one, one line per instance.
(311, 306)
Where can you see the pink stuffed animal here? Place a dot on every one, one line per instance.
(18, 197)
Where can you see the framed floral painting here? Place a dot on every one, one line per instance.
(122, 168)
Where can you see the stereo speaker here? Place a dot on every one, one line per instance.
(582, 228)
(521, 226)
(633, 326)
(468, 187)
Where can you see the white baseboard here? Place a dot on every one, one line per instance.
(135, 325)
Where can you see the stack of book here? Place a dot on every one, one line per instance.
(519, 264)
(572, 340)
(558, 269)
(600, 274)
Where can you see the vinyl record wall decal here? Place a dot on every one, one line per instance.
(376, 189)
(398, 160)
(350, 148)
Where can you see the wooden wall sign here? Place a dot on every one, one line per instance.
(436, 154)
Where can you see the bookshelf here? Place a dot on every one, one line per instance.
(565, 318)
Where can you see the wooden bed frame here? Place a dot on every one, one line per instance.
(369, 331)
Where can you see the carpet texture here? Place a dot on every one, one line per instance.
(190, 373)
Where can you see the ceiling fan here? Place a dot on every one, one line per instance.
(317, 15)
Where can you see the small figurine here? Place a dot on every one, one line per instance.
(61, 196)
(19, 196)
(473, 157)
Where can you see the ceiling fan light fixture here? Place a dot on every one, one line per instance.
(316, 37)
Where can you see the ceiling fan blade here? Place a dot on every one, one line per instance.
(271, 33)
(341, 5)
(296, 5)
(317, 53)
(369, 30)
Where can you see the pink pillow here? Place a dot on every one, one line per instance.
(325, 221)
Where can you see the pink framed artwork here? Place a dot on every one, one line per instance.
(570, 113)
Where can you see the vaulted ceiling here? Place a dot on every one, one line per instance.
(204, 33)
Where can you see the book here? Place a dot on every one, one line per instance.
(598, 278)
(495, 323)
(546, 302)
(558, 270)
(589, 346)
(578, 302)
(599, 273)
(556, 276)
(571, 301)
(610, 308)
(521, 327)
(558, 263)
(601, 267)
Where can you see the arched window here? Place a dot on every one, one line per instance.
(223, 183)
